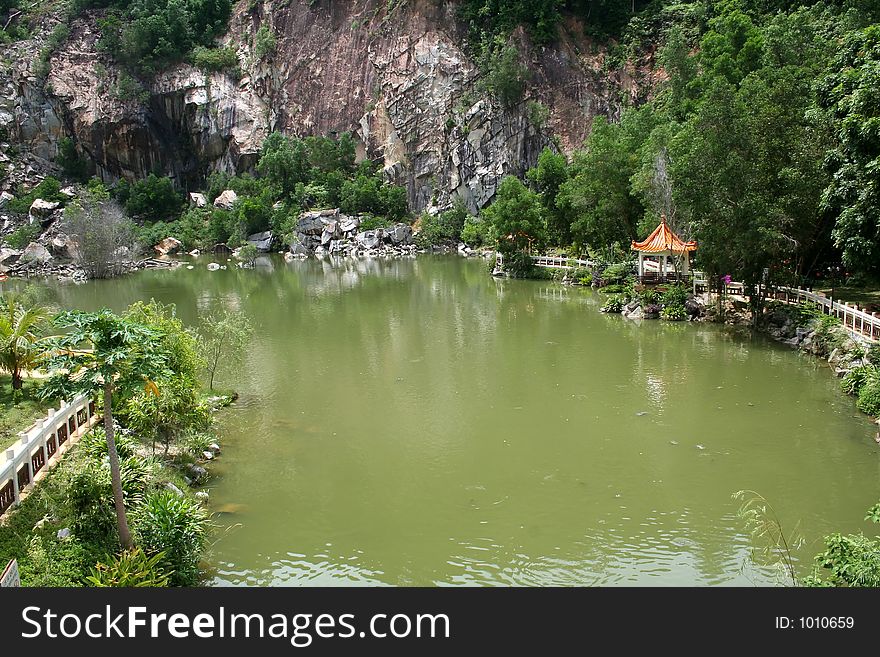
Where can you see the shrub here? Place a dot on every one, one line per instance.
(176, 526)
(674, 313)
(829, 334)
(55, 563)
(214, 59)
(675, 295)
(153, 199)
(520, 265)
(371, 222)
(614, 288)
(869, 396)
(71, 162)
(23, 235)
(617, 273)
(247, 254)
(264, 42)
(650, 296)
(475, 232)
(443, 227)
(856, 378)
(614, 304)
(48, 190)
(504, 75)
(131, 568)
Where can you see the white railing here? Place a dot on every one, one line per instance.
(40, 447)
(856, 320)
(551, 261)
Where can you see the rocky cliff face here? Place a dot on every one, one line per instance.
(400, 80)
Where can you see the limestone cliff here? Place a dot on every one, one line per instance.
(399, 79)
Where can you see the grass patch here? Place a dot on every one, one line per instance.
(18, 414)
(865, 297)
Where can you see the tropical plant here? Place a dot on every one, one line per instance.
(176, 526)
(851, 560)
(856, 378)
(869, 396)
(22, 333)
(613, 304)
(674, 313)
(675, 295)
(130, 568)
(114, 355)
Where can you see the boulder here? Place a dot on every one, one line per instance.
(637, 313)
(168, 246)
(35, 254)
(63, 533)
(69, 192)
(693, 307)
(226, 200)
(5, 197)
(63, 246)
(213, 266)
(198, 200)
(263, 241)
(349, 224)
(41, 210)
(169, 486)
(310, 223)
(399, 234)
(8, 257)
(369, 239)
(297, 247)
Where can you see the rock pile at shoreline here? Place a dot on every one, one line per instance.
(330, 232)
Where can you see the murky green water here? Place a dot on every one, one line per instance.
(417, 422)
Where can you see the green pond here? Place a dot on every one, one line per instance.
(416, 422)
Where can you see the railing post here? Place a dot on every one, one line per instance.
(873, 324)
(10, 458)
(27, 461)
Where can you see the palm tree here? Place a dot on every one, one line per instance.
(105, 353)
(21, 336)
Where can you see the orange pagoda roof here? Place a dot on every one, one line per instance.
(663, 239)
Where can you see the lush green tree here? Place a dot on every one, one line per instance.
(516, 217)
(104, 352)
(22, 336)
(850, 98)
(153, 199)
(443, 227)
(223, 337)
(547, 178)
(504, 74)
(173, 406)
(598, 194)
(734, 46)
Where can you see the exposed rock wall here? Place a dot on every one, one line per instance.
(400, 80)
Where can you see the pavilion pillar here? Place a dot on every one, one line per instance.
(663, 267)
(685, 261)
(641, 265)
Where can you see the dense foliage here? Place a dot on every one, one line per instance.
(761, 146)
